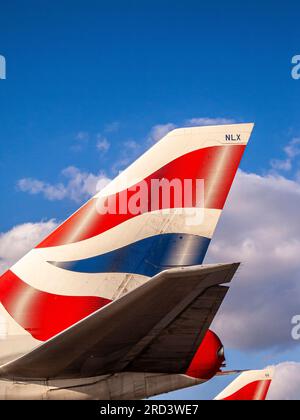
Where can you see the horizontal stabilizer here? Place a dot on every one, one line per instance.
(157, 327)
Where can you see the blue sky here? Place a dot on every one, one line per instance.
(81, 71)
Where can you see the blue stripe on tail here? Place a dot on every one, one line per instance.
(146, 257)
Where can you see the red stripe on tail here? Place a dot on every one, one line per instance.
(257, 390)
(217, 166)
(43, 314)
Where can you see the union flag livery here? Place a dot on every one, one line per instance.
(118, 296)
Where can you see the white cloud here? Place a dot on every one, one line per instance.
(209, 121)
(21, 239)
(82, 185)
(35, 186)
(286, 382)
(130, 151)
(81, 140)
(260, 227)
(292, 151)
(159, 131)
(112, 127)
(131, 145)
(82, 136)
(103, 144)
(79, 185)
(281, 165)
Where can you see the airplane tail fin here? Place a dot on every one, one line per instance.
(150, 218)
(251, 385)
